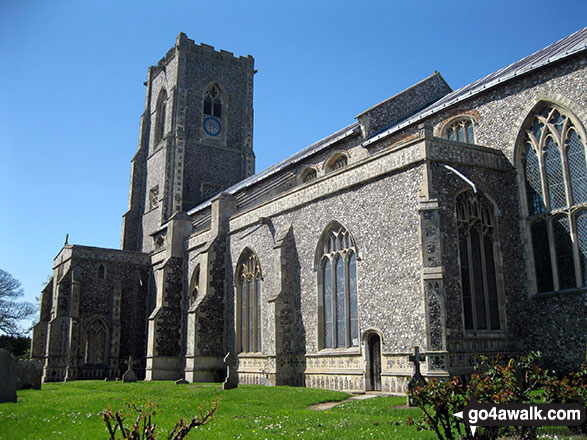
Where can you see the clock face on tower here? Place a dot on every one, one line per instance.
(212, 126)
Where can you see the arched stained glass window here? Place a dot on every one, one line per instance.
(248, 304)
(477, 256)
(555, 174)
(338, 289)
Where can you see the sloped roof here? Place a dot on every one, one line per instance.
(566, 47)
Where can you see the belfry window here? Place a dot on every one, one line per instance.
(338, 289)
(213, 110)
(477, 258)
(213, 102)
(555, 190)
(460, 130)
(160, 116)
(248, 303)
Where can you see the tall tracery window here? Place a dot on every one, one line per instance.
(554, 172)
(338, 289)
(96, 343)
(460, 130)
(477, 257)
(249, 303)
(160, 116)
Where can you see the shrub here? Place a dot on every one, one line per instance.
(518, 380)
(142, 426)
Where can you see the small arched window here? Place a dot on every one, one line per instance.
(337, 162)
(477, 257)
(460, 130)
(337, 285)
(309, 174)
(160, 116)
(554, 172)
(248, 303)
(101, 272)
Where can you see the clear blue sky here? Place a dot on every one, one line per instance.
(72, 73)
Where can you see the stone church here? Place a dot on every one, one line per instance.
(455, 221)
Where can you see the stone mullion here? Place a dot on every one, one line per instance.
(347, 303)
(570, 203)
(553, 262)
(255, 315)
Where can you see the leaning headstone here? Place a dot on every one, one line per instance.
(130, 375)
(29, 374)
(7, 377)
(181, 381)
(231, 374)
(417, 379)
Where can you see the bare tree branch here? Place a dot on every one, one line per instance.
(11, 311)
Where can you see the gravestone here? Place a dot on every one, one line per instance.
(130, 375)
(231, 380)
(29, 374)
(417, 379)
(7, 377)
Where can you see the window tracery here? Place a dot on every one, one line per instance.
(213, 111)
(338, 289)
(477, 257)
(554, 174)
(248, 308)
(460, 130)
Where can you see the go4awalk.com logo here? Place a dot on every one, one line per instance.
(521, 414)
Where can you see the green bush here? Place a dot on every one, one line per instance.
(518, 380)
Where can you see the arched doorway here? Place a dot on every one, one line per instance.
(373, 370)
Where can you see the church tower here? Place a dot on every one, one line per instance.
(196, 136)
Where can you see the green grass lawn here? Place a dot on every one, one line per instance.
(71, 411)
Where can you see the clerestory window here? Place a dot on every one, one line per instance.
(460, 130)
(337, 162)
(248, 303)
(554, 172)
(337, 283)
(309, 174)
(477, 258)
